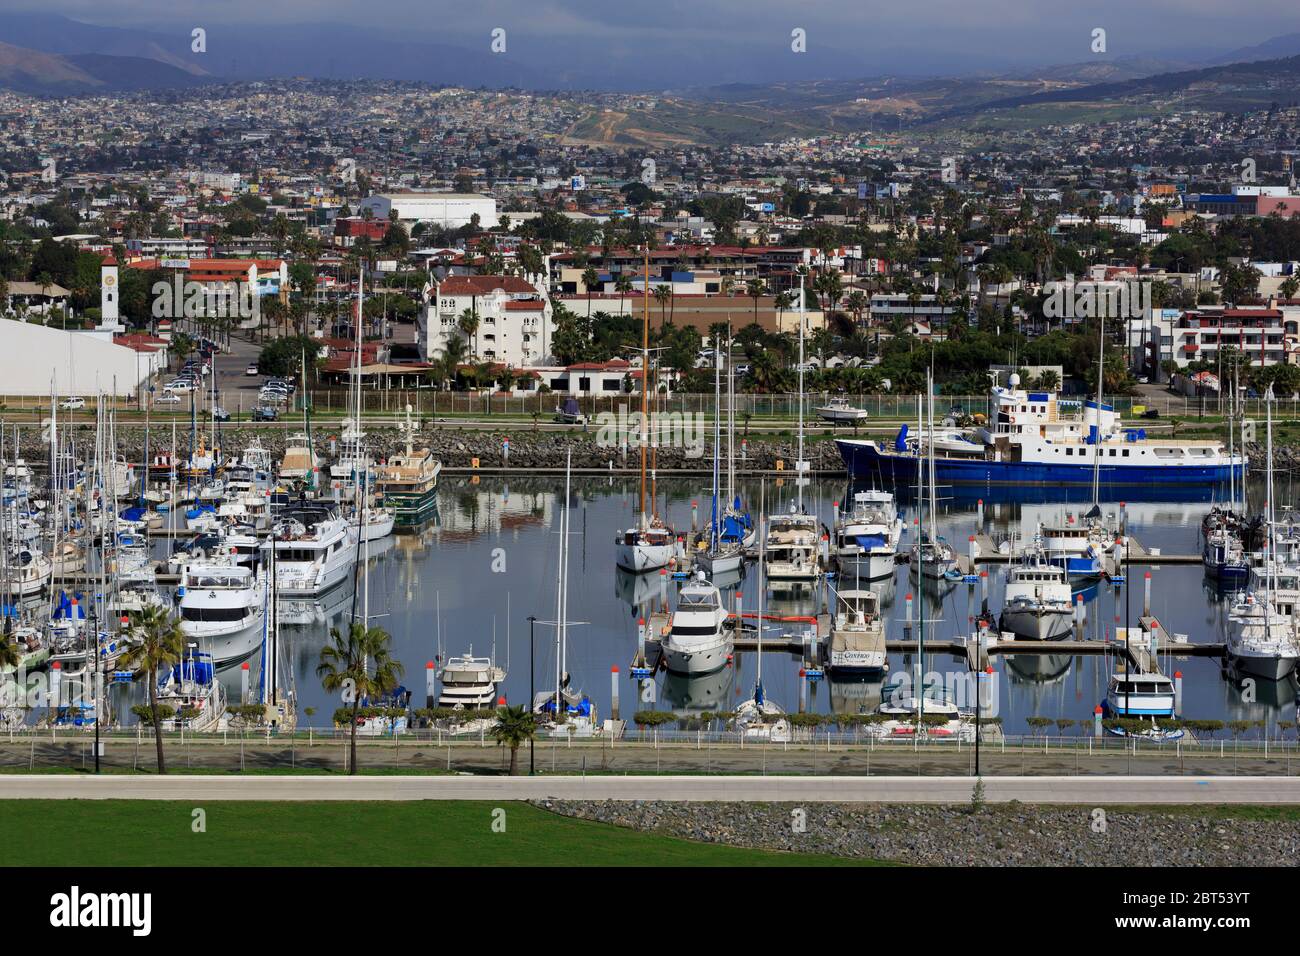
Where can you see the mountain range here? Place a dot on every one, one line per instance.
(49, 54)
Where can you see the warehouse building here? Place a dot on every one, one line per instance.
(448, 210)
(36, 359)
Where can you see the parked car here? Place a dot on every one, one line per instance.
(219, 414)
(265, 413)
(72, 403)
(251, 370)
(179, 387)
(167, 398)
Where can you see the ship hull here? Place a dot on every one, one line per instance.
(865, 460)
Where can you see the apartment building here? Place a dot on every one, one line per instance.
(515, 325)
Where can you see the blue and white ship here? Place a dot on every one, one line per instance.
(1035, 438)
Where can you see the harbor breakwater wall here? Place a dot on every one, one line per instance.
(457, 449)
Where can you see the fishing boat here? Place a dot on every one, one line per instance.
(697, 641)
(838, 411)
(866, 537)
(857, 639)
(407, 483)
(1038, 599)
(1224, 558)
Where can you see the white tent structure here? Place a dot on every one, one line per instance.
(78, 363)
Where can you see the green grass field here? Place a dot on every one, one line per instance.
(378, 833)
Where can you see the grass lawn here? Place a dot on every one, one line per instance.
(369, 833)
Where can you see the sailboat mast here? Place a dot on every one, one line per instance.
(717, 442)
(645, 376)
(1096, 439)
(798, 480)
(731, 422)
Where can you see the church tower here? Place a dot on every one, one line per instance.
(109, 290)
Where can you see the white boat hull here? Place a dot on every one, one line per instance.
(697, 660)
(1037, 623)
(868, 566)
(641, 558)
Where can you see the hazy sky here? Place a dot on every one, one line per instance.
(844, 37)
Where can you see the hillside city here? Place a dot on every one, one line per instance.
(500, 248)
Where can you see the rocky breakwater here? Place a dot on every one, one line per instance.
(1010, 834)
(457, 448)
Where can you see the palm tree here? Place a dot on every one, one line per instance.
(590, 279)
(857, 303)
(662, 294)
(755, 289)
(513, 728)
(9, 656)
(453, 355)
(158, 643)
(359, 665)
(468, 325)
(622, 285)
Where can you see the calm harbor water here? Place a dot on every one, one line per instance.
(473, 576)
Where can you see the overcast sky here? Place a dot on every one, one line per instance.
(844, 37)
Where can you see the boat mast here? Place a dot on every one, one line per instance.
(645, 376)
(1096, 439)
(762, 560)
(731, 421)
(799, 465)
(717, 442)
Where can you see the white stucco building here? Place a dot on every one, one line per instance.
(448, 210)
(77, 363)
(515, 324)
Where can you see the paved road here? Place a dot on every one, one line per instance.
(951, 790)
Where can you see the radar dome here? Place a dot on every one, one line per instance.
(1014, 380)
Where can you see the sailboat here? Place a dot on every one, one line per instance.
(719, 556)
(650, 544)
(1262, 641)
(568, 711)
(793, 555)
(759, 717)
(933, 558)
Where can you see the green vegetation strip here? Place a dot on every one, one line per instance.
(344, 833)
